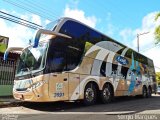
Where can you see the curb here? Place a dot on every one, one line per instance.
(7, 101)
(9, 104)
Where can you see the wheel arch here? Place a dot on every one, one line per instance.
(145, 86)
(92, 81)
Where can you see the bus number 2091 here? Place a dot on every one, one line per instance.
(58, 94)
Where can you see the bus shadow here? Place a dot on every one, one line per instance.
(121, 105)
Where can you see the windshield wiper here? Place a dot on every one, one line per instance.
(25, 69)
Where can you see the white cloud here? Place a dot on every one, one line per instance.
(73, 3)
(125, 34)
(107, 27)
(25, 17)
(110, 29)
(148, 25)
(146, 41)
(47, 21)
(18, 35)
(80, 16)
(36, 19)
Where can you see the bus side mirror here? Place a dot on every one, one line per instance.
(5, 55)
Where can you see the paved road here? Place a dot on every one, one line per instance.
(125, 108)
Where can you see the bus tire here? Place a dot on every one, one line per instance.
(144, 92)
(90, 94)
(106, 94)
(149, 92)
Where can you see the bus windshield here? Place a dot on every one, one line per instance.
(32, 59)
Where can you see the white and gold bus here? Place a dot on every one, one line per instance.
(71, 61)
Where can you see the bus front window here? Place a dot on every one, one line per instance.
(32, 59)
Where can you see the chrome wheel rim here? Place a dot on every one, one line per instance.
(106, 93)
(144, 93)
(89, 94)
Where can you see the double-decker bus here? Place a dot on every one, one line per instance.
(71, 61)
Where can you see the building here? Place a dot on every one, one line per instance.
(7, 68)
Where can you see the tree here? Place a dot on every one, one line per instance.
(157, 30)
(158, 77)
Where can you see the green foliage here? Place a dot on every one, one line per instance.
(157, 30)
(2, 47)
(157, 16)
(88, 45)
(158, 77)
(157, 34)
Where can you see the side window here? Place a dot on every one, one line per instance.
(124, 71)
(129, 53)
(93, 36)
(114, 69)
(120, 51)
(57, 61)
(150, 63)
(103, 69)
(73, 29)
(73, 57)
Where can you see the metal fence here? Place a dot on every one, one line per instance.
(7, 71)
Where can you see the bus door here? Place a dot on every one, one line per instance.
(58, 83)
(58, 86)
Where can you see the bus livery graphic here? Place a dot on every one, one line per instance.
(71, 61)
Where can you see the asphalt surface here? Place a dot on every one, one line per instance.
(122, 108)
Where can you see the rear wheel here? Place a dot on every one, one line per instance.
(149, 92)
(106, 94)
(144, 92)
(90, 94)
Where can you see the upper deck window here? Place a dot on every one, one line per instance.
(52, 25)
(73, 29)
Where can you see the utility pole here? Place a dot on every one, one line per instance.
(138, 39)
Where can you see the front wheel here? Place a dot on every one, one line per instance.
(106, 94)
(90, 94)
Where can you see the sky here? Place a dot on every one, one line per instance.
(122, 20)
